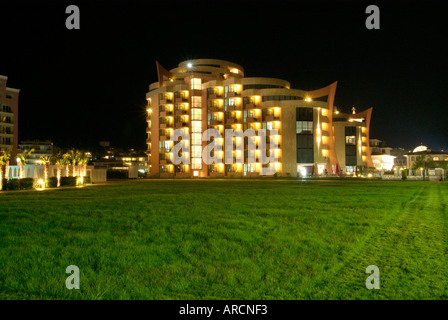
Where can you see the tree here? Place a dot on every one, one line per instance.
(22, 157)
(60, 161)
(46, 161)
(5, 156)
(423, 162)
(67, 160)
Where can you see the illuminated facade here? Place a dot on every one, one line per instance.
(9, 104)
(313, 138)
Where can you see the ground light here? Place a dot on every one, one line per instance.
(40, 184)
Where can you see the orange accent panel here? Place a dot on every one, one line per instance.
(161, 72)
(367, 114)
(329, 91)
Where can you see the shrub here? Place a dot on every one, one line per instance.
(51, 182)
(68, 181)
(26, 183)
(11, 184)
(404, 175)
(86, 179)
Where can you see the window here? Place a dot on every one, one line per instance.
(196, 102)
(195, 83)
(196, 126)
(165, 144)
(196, 139)
(196, 114)
(350, 155)
(196, 163)
(350, 140)
(304, 127)
(304, 135)
(8, 96)
(196, 151)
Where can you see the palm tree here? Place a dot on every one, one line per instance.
(60, 161)
(82, 161)
(423, 162)
(5, 156)
(21, 158)
(46, 161)
(66, 160)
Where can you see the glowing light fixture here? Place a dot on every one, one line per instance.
(189, 65)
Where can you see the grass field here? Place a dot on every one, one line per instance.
(208, 239)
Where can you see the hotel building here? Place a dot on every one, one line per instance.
(313, 137)
(9, 104)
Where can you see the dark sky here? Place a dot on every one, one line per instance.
(83, 86)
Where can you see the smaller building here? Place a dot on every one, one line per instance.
(440, 158)
(41, 149)
(382, 158)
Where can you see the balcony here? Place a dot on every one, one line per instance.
(164, 138)
(251, 119)
(180, 100)
(166, 101)
(180, 112)
(233, 108)
(232, 94)
(214, 109)
(231, 121)
(148, 140)
(271, 117)
(215, 96)
(250, 106)
(165, 125)
(164, 162)
(162, 150)
(215, 122)
(166, 113)
(180, 125)
(148, 130)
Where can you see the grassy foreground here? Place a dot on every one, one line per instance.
(227, 240)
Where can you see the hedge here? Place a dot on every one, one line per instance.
(18, 184)
(68, 181)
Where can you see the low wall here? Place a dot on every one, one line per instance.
(37, 171)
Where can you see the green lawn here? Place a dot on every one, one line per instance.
(206, 239)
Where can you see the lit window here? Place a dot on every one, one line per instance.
(196, 163)
(196, 84)
(350, 140)
(304, 127)
(196, 102)
(196, 138)
(196, 151)
(196, 126)
(195, 114)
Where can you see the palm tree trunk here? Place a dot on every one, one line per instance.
(1, 177)
(7, 170)
(58, 175)
(46, 172)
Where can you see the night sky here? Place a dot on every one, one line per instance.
(79, 87)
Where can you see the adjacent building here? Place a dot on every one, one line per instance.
(439, 157)
(313, 137)
(9, 106)
(41, 149)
